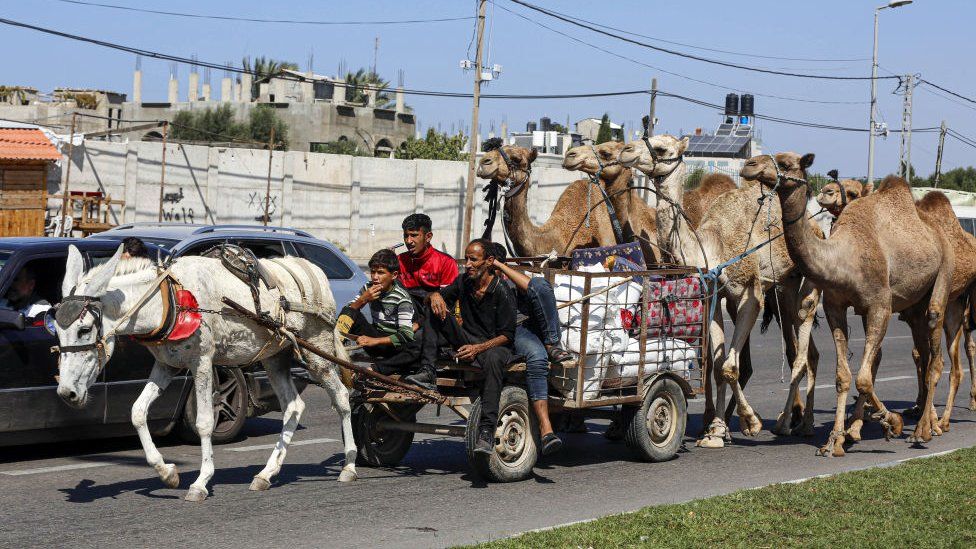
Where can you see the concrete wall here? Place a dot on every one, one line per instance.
(357, 202)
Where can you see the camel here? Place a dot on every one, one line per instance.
(727, 229)
(125, 298)
(636, 217)
(833, 200)
(563, 231)
(961, 296)
(697, 201)
(881, 258)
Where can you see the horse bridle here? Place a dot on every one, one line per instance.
(780, 176)
(89, 304)
(512, 187)
(650, 150)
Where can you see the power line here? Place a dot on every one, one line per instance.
(672, 73)
(689, 55)
(950, 92)
(742, 54)
(257, 20)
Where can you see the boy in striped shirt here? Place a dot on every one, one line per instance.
(389, 335)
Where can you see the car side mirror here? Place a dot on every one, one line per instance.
(12, 319)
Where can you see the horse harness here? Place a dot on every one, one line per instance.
(508, 190)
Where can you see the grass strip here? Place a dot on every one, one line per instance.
(927, 502)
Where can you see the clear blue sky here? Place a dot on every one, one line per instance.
(930, 37)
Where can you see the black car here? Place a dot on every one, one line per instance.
(30, 409)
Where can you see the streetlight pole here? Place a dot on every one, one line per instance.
(473, 144)
(874, 84)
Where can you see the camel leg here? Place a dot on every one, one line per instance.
(971, 356)
(159, 379)
(327, 374)
(745, 372)
(748, 312)
(203, 385)
(808, 347)
(875, 327)
(292, 406)
(928, 425)
(837, 320)
(953, 333)
(793, 408)
(862, 401)
(715, 428)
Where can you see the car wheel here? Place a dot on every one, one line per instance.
(230, 408)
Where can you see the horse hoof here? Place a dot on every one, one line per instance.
(170, 476)
(196, 494)
(348, 476)
(259, 485)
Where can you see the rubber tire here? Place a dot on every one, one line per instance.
(224, 431)
(494, 467)
(663, 447)
(383, 448)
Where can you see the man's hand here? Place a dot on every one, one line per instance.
(468, 352)
(366, 341)
(438, 305)
(371, 294)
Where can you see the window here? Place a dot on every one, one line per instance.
(967, 225)
(263, 249)
(4, 257)
(48, 273)
(332, 265)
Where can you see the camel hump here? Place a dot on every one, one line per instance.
(893, 183)
(936, 202)
(716, 183)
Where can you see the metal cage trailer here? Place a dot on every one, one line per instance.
(640, 338)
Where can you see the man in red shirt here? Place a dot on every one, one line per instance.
(423, 269)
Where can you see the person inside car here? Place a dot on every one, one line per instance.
(484, 336)
(134, 247)
(388, 337)
(536, 339)
(21, 296)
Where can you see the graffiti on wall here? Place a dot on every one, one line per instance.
(256, 200)
(175, 213)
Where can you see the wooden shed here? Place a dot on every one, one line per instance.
(26, 155)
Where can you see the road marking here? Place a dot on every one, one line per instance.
(271, 446)
(879, 380)
(56, 468)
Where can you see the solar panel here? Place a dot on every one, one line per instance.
(710, 145)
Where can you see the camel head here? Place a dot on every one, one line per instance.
(834, 196)
(660, 160)
(493, 165)
(784, 170)
(588, 158)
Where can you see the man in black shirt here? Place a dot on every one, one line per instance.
(484, 336)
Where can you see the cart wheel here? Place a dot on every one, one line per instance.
(655, 428)
(380, 447)
(517, 439)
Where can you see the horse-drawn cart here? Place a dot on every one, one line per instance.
(640, 338)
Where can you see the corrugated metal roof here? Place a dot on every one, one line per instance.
(26, 144)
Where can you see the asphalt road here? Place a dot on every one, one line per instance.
(103, 494)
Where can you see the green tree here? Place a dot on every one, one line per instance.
(559, 128)
(358, 82)
(434, 146)
(962, 179)
(604, 134)
(218, 125)
(343, 146)
(694, 178)
(817, 181)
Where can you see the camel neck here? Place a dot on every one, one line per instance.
(616, 189)
(518, 223)
(673, 232)
(812, 255)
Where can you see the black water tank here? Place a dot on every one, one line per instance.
(545, 124)
(748, 105)
(530, 127)
(732, 104)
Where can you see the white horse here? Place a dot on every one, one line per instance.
(123, 297)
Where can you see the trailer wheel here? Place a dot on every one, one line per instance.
(517, 439)
(379, 447)
(655, 428)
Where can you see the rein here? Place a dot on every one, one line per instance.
(496, 192)
(618, 232)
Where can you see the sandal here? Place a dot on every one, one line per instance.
(558, 354)
(551, 444)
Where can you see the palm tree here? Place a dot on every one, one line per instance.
(356, 84)
(265, 67)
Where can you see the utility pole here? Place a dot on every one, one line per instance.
(67, 176)
(938, 156)
(473, 146)
(650, 119)
(905, 154)
(267, 189)
(376, 52)
(162, 172)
